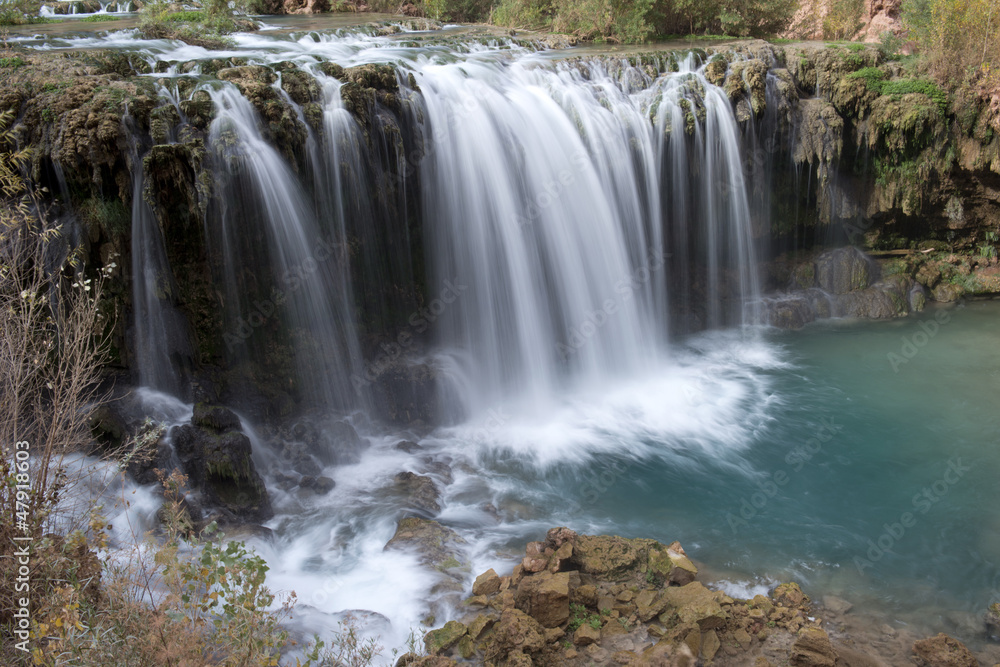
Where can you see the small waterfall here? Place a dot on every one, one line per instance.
(265, 219)
(160, 341)
(707, 209)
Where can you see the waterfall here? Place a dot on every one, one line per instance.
(162, 349)
(560, 213)
(265, 218)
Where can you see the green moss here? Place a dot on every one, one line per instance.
(99, 18)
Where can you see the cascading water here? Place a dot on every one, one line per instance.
(160, 335)
(544, 197)
(266, 219)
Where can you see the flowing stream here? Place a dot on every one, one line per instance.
(571, 209)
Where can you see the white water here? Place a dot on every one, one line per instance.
(264, 213)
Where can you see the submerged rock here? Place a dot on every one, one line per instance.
(812, 648)
(419, 491)
(943, 651)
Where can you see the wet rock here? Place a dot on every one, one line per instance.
(420, 492)
(992, 621)
(437, 641)
(812, 648)
(672, 564)
(408, 446)
(321, 485)
(606, 556)
(790, 595)
(545, 597)
(943, 651)
(917, 297)
(218, 460)
(439, 547)
(836, 605)
(947, 293)
(406, 394)
(480, 625)
(215, 417)
(844, 270)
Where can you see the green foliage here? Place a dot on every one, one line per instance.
(20, 12)
(12, 62)
(874, 79)
(521, 14)
(756, 18)
(959, 37)
(617, 21)
(989, 249)
(889, 45)
(99, 18)
(843, 19)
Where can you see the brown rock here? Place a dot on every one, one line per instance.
(694, 604)
(943, 651)
(488, 583)
(789, 595)
(586, 635)
(585, 595)
(535, 559)
(812, 648)
(710, 644)
(545, 597)
(515, 631)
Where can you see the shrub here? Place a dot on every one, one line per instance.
(528, 14)
(843, 19)
(618, 21)
(756, 18)
(959, 37)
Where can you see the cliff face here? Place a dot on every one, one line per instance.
(864, 21)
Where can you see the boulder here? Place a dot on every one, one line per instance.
(442, 639)
(439, 547)
(606, 556)
(672, 564)
(586, 635)
(947, 293)
(218, 460)
(515, 631)
(419, 491)
(844, 270)
(812, 648)
(545, 597)
(694, 603)
(487, 583)
(943, 651)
